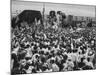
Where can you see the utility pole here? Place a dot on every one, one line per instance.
(43, 11)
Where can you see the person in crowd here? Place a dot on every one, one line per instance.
(35, 50)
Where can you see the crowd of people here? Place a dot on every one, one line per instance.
(36, 50)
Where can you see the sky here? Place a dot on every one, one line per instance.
(68, 9)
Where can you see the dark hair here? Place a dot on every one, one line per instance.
(26, 66)
(52, 61)
(44, 68)
(52, 14)
(59, 12)
(63, 16)
(65, 57)
(43, 59)
(37, 56)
